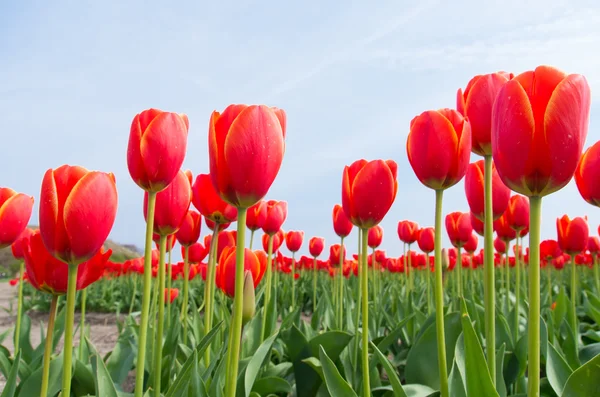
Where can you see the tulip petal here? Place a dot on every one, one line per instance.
(588, 173)
(89, 214)
(14, 216)
(373, 193)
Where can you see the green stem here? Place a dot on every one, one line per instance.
(489, 291)
(504, 262)
(459, 271)
(410, 270)
(169, 286)
(340, 303)
(17, 336)
(533, 335)
(82, 323)
(235, 331)
(293, 281)
(48, 347)
(268, 288)
(358, 298)
(314, 284)
(428, 275)
(251, 237)
(574, 297)
(596, 274)
(209, 290)
(134, 278)
(70, 321)
(141, 356)
(364, 286)
(160, 318)
(406, 270)
(186, 283)
(517, 290)
(439, 296)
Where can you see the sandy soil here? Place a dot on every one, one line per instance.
(103, 329)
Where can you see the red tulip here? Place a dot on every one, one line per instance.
(477, 224)
(196, 253)
(517, 213)
(438, 147)
(254, 261)
(459, 228)
(246, 146)
(156, 149)
(211, 225)
(20, 244)
(77, 211)
(474, 190)
(476, 104)
(587, 175)
(426, 239)
(375, 236)
(189, 231)
(278, 239)
(335, 251)
(15, 211)
(503, 229)
(593, 245)
(256, 216)
(293, 240)
(225, 239)
(170, 243)
(408, 231)
(341, 224)
(316, 245)
(206, 200)
(172, 205)
(539, 124)
(368, 191)
(572, 234)
(276, 215)
(171, 294)
(471, 244)
(500, 245)
(48, 274)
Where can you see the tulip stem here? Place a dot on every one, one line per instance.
(504, 263)
(533, 334)
(82, 323)
(186, 284)
(340, 307)
(235, 331)
(169, 285)
(17, 336)
(160, 318)
(314, 284)
(364, 286)
(48, 347)
(141, 356)
(358, 297)
(574, 298)
(439, 295)
(134, 278)
(70, 321)
(489, 291)
(209, 289)
(596, 274)
(517, 289)
(428, 276)
(251, 237)
(458, 266)
(267, 300)
(293, 281)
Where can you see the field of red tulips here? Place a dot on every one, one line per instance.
(496, 313)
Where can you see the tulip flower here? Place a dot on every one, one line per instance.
(341, 224)
(438, 148)
(293, 241)
(539, 124)
(460, 230)
(594, 248)
(587, 173)
(408, 232)
(256, 217)
(245, 149)
(368, 192)
(254, 261)
(18, 250)
(315, 247)
(15, 211)
(474, 189)
(375, 236)
(156, 149)
(276, 215)
(171, 294)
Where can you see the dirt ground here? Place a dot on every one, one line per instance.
(103, 329)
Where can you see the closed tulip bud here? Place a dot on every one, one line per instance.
(171, 294)
(77, 212)
(206, 200)
(256, 216)
(445, 259)
(588, 173)
(439, 147)
(293, 240)
(459, 228)
(172, 205)
(408, 231)
(375, 236)
(246, 146)
(157, 147)
(189, 231)
(341, 224)
(276, 216)
(368, 191)
(316, 245)
(572, 234)
(15, 211)
(249, 303)
(426, 239)
(539, 124)
(474, 191)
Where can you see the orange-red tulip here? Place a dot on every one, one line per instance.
(368, 191)
(156, 149)
(196, 253)
(477, 224)
(256, 216)
(474, 191)
(572, 234)
(459, 228)
(15, 211)
(587, 175)
(246, 146)
(189, 231)
(20, 244)
(316, 245)
(225, 239)
(276, 215)
(426, 239)
(503, 228)
(476, 104)
(518, 213)
(206, 200)
(171, 294)
(77, 211)
(293, 240)
(172, 205)
(471, 244)
(375, 236)
(539, 124)
(335, 251)
(500, 245)
(439, 147)
(254, 261)
(341, 224)
(408, 231)
(593, 245)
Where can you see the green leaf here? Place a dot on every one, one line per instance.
(456, 384)
(24, 340)
(500, 384)
(180, 386)
(479, 380)
(336, 385)
(584, 381)
(121, 359)
(104, 385)
(83, 382)
(557, 370)
(390, 371)
(315, 364)
(588, 352)
(32, 385)
(271, 385)
(334, 342)
(10, 387)
(256, 362)
(418, 390)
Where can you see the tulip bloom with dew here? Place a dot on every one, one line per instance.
(539, 125)
(245, 150)
(368, 191)
(15, 211)
(438, 149)
(71, 199)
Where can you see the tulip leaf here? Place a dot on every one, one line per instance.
(104, 385)
(584, 381)
(336, 385)
(557, 370)
(121, 359)
(33, 384)
(10, 387)
(391, 372)
(271, 385)
(256, 363)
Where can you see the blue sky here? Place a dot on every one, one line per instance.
(350, 75)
